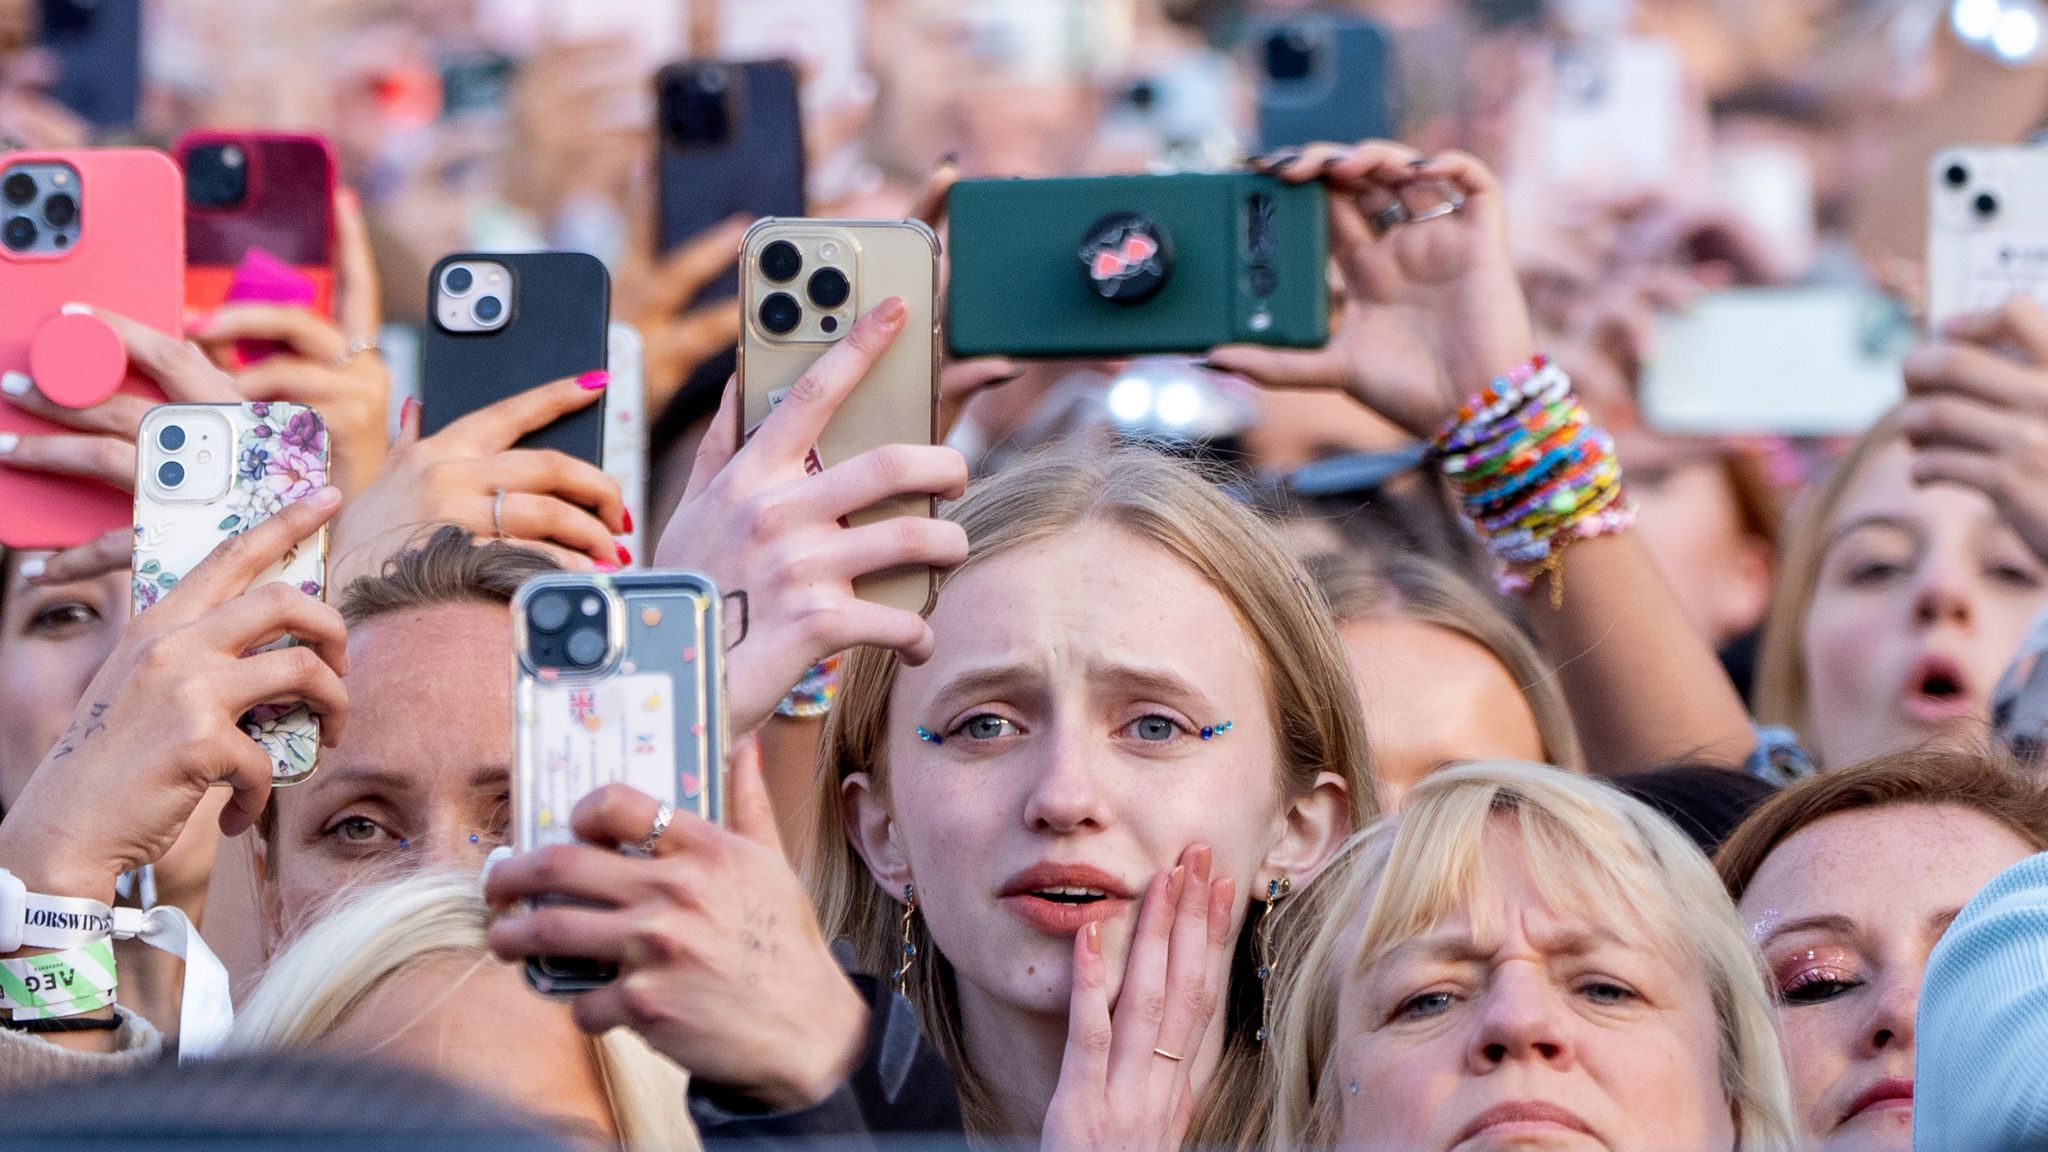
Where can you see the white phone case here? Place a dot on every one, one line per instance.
(275, 454)
(1987, 229)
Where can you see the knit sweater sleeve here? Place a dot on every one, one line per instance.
(28, 1062)
(1981, 1052)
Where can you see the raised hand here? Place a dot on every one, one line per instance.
(1129, 1078)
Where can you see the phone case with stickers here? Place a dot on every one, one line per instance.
(1987, 235)
(234, 466)
(897, 401)
(644, 710)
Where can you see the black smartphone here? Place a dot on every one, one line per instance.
(98, 46)
(729, 141)
(1324, 76)
(502, 323)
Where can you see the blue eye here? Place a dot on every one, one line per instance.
(1154, 729)
(985, 726)
(354, 829)
(1424, 1006)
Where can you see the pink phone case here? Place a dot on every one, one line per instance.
(130, 259)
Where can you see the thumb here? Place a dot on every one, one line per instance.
(749, 812)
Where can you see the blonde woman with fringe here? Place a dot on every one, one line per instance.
(1522, 954)
(1044, 787)
(401, 971)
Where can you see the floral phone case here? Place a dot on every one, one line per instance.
(644, 708)
(206, 472)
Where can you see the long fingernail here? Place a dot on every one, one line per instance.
(8, 442)
(15, 383)
(627, 517)
(592, 381)
(75, 309)
(32, 568)
(625, 556)
(407, 410)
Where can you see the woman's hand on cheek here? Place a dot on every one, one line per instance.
(757, 520)
(158, 724)
(722, 966)
(1127, 1080)
(1432, 307)
(552, 501)
(1977, 412)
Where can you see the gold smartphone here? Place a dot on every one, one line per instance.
(803, 283)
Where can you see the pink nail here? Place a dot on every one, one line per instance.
(592, 381)
(604, 567)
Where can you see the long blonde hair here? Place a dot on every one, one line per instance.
(1314, 711)
(1589, 846)
(379, 931)
(1782, 693)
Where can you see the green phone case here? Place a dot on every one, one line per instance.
(1123, 265)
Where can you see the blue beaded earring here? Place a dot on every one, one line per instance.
(1210, 732)
(930, 737)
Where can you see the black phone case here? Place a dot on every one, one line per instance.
(561, 305)
(1350, 101)
(755, 167)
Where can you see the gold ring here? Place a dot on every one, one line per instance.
(1168, 1055)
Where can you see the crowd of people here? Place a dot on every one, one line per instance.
(1425, 745)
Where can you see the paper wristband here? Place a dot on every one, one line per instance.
(69, 983)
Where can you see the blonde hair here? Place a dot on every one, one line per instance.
(378, 932)
(1314, 711)
(1588, 846)
(1408, 586)
(1782, 693)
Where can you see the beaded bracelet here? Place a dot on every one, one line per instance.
(1532, 474)
(813, 695)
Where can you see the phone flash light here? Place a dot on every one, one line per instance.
(205, 457)
(828, 251)
(650, 616)
(60, 178)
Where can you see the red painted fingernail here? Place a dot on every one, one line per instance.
(408, 410)
(592, 381)
(625, 557)
(629, 519)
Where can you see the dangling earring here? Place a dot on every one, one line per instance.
(1275, 890)
(902, 974)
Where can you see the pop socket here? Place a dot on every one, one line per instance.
(1126, 257)
(76, 359)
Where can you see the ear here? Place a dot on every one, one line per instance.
(873, 833)
(1315, 825)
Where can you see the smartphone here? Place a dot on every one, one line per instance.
(1987, 235)
(98, 46)
(99, 227)
(625, 429)
(1616, 113)
(1126, 265)
(803, 283)
(824, 37)
(728, 142)
(501, 323)
(258, 192)
(618, 681)
(476, 85)
(1324, 76)
(1789, 361)
(207, 472)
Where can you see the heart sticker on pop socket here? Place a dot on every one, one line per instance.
(76, 359)
(1126, 257)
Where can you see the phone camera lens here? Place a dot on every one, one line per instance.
(20, 188)
(489, 308)
(170, 474)
(1956, 175)
(1985, 204)
(170, 437)
(1290, 55)
(828, 288)
(548, 612)
(457, 280)
(60, 210)
(19, 233)
(586, 647)
(781, 261)
(780, 314)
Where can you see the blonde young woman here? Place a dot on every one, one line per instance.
(1527, 956)
(402, 972)
(1134, 694)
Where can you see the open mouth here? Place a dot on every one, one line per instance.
(1070, 895)
(1937, 691)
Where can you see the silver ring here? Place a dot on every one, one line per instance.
(356, 347)
(662, 816)
(498, 513)
(1387, 219)
(1449, 207)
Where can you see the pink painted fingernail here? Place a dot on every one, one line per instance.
(604, 567)
(408, 410)
(592, 381)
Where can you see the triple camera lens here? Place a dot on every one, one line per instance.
(828, 288)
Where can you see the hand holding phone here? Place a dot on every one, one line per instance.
(787, 1036)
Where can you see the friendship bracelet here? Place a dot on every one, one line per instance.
(813, 695)
(55, 984)
(1532, 474)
